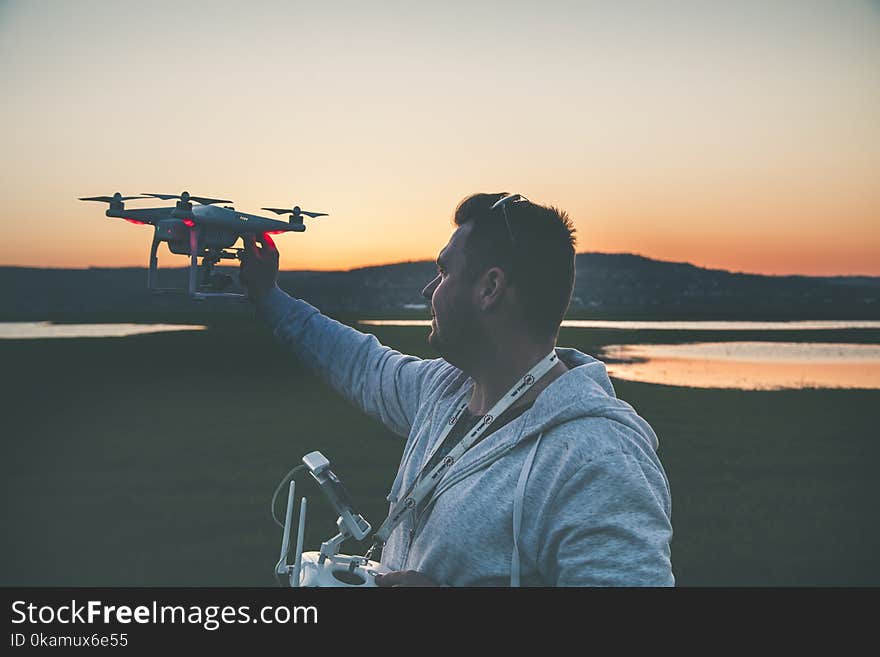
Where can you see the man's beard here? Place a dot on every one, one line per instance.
(434, 339)
(454, 344)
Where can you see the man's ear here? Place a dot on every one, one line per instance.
(492, 287)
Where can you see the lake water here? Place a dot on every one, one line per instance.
(747, 365)
(43, 330)
(804, 325)
(744, 365)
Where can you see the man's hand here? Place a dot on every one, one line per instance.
(404, 578)
(258, 271)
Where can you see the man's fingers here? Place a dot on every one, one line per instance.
(397, 578)
(250, 244)
(388, 580)
(259, 266)
(268, 243)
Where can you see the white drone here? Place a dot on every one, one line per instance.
(202, 231)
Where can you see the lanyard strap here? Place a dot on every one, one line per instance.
(424, 486)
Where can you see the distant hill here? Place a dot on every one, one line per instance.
(608, 285)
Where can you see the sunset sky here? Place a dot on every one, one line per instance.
(735, 135)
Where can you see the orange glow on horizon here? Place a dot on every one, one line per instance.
(738, 136)
(758, 246)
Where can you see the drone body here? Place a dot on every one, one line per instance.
(200, 231)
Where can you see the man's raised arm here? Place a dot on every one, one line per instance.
(382, 382)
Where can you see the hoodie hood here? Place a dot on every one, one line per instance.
(584, 391)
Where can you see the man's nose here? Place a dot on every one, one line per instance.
(428, 292)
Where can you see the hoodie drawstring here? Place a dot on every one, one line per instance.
(518, 510)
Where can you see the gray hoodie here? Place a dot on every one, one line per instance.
(573, 486)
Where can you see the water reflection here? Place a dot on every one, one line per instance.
(747, 365)
(803, 325)
(42, 330)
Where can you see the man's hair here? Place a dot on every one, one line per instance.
(539, 262)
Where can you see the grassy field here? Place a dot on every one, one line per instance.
(150, 461)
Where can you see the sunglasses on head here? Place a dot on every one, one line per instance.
(503, 203)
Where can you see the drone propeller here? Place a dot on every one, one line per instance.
(116, 198)
(296, 212)
(186, 198)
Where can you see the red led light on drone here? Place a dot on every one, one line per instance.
(274, 232)
(135, 221)
(189, 222)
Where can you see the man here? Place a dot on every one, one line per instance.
(521, 466)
